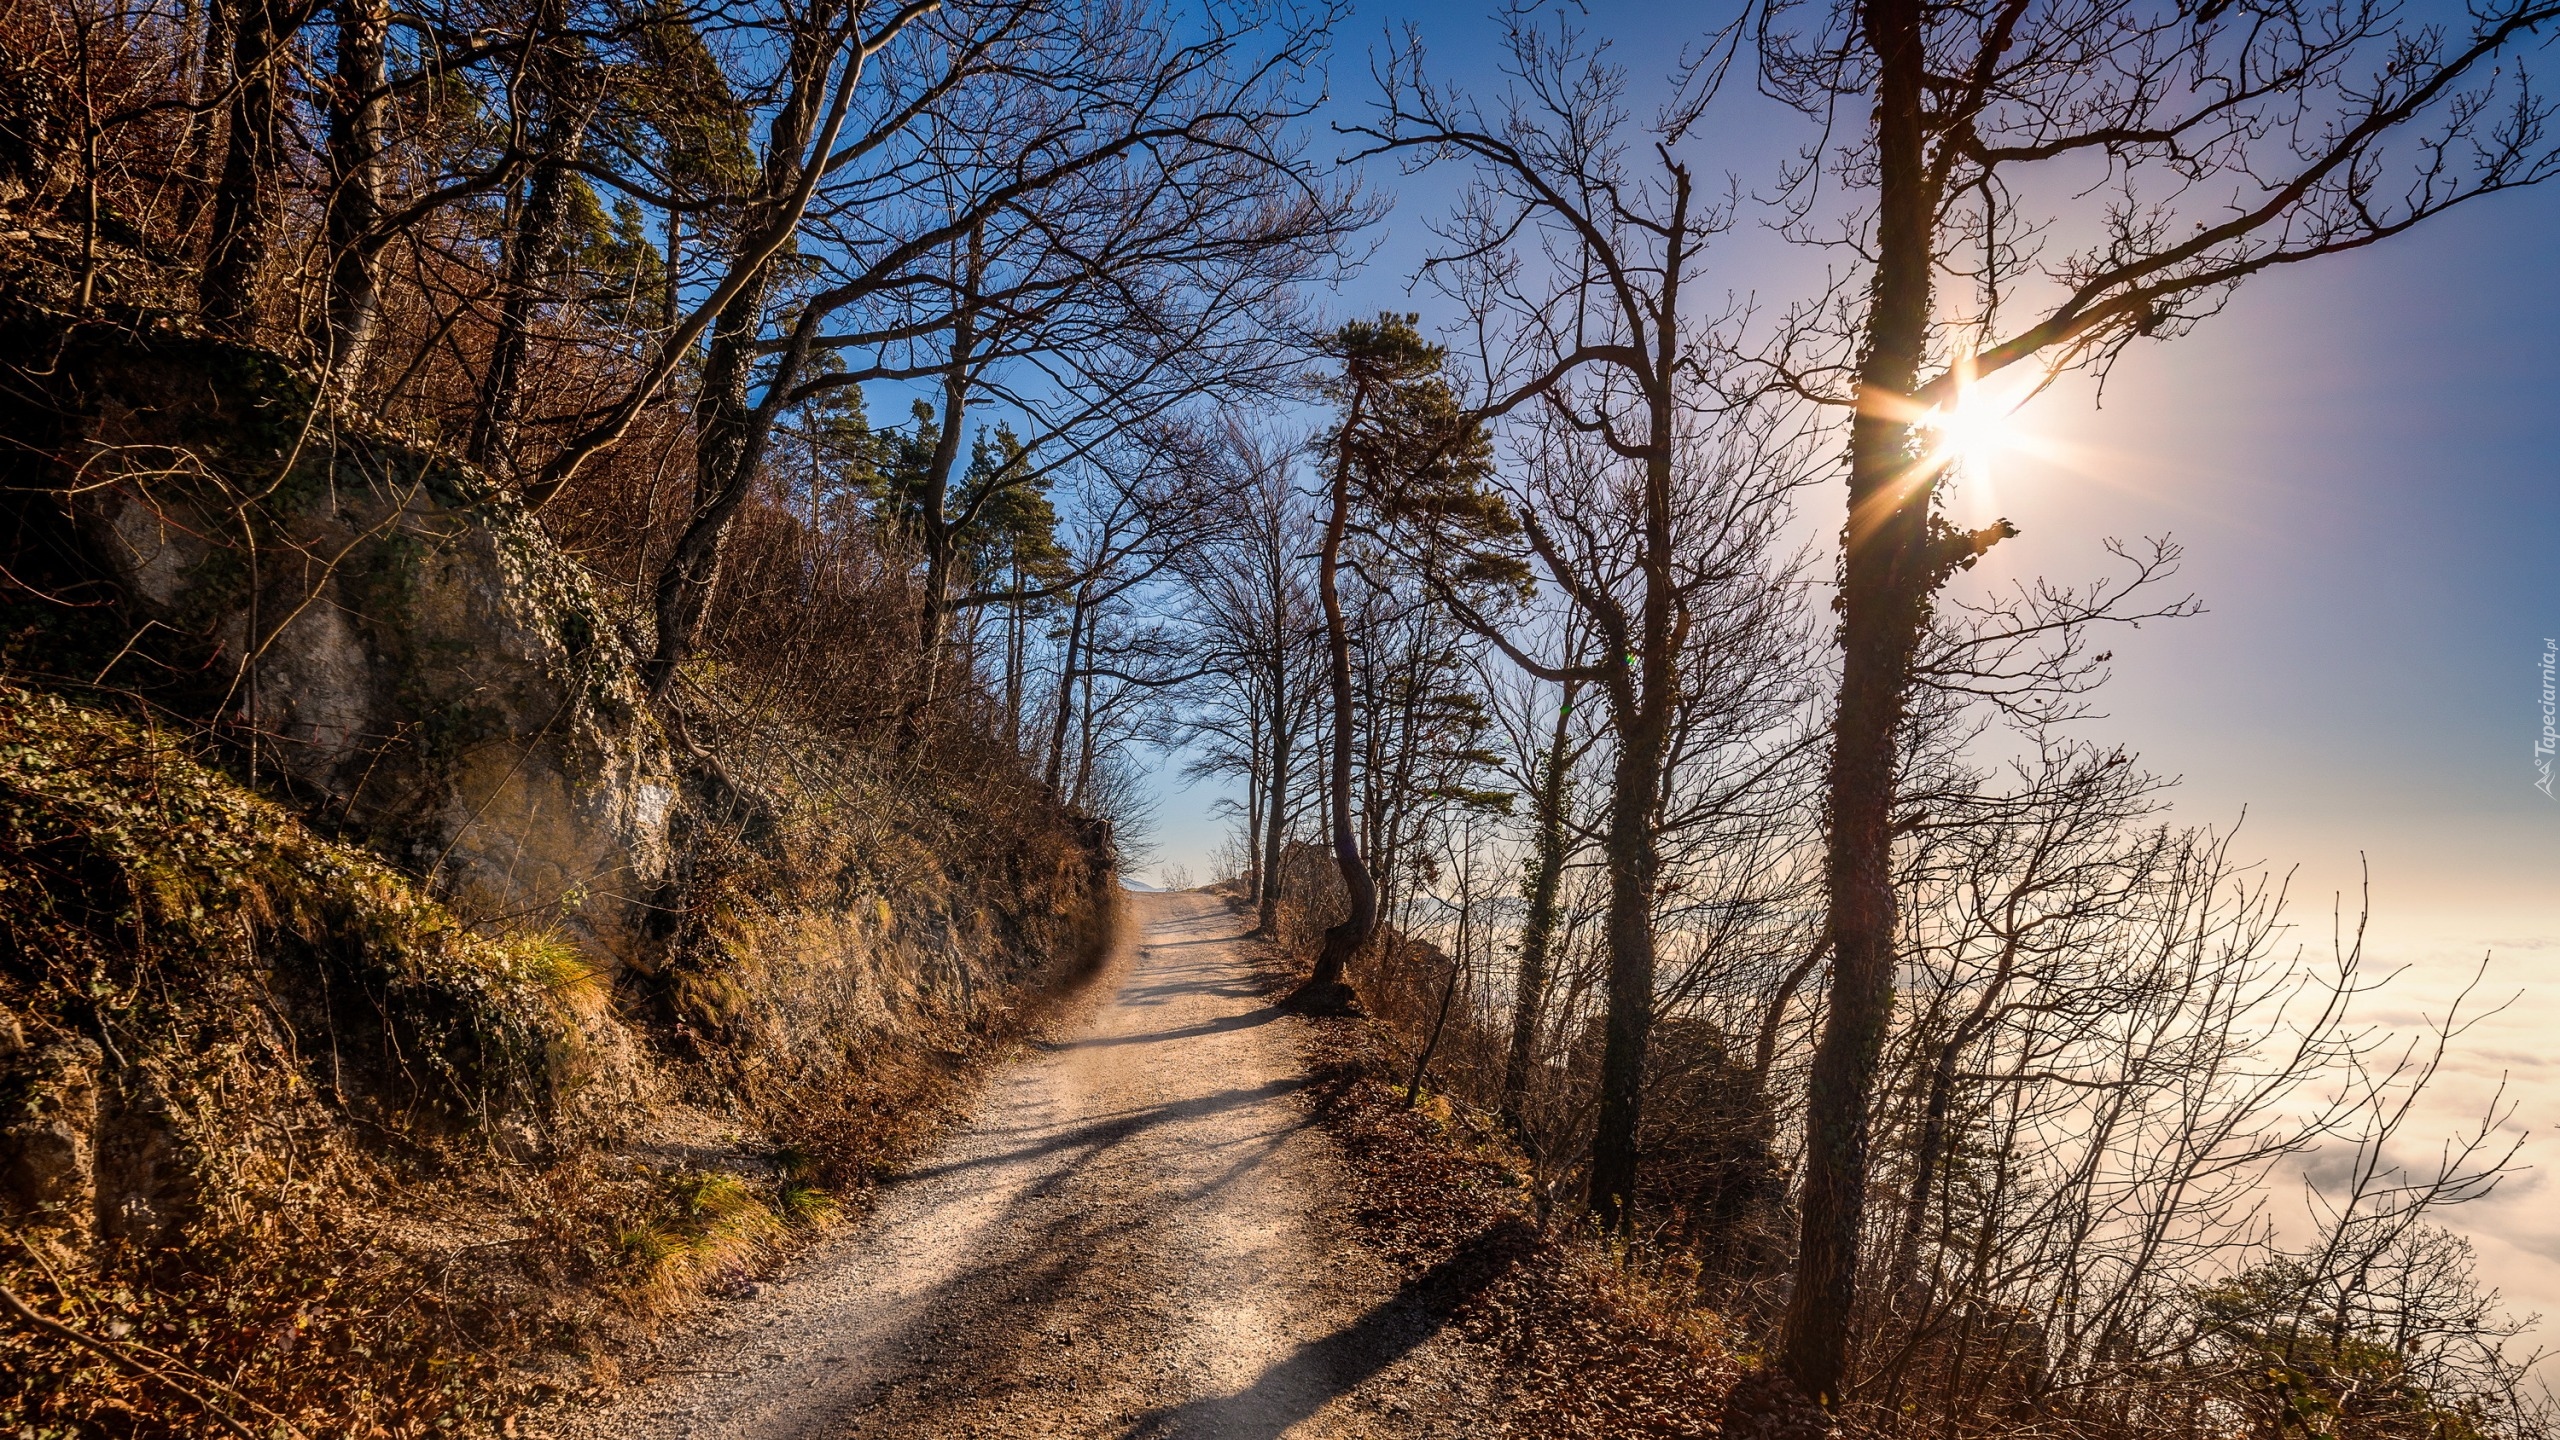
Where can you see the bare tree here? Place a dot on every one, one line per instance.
(1120, 241)
(944, 220)
(1543, 758)
(1576, 269)
(1260, 619)
(2224, 141)
(1137, 530)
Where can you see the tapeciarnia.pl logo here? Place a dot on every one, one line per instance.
(2549, 740)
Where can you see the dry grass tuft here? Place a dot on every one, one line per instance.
(712, 1237)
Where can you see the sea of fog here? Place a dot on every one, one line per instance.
(2505, 1061)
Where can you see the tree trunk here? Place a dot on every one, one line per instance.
(1884, 595)
(729, 436)
(1634, 863)
(1066, 696)
(531, 259)
(1081, 796)
(1327, 987)
(204, 63)
(357, 106)
(941, 534)
(1644, 696)
(1275, 816)
(1256, 792)
(1389, 835)
(1929, 1146)
(244, 201)
(1926, 1148)
(667, 299)
(727, 446)
(1538, 926)
(941, 538)
(1448, 993)
(1014, 626)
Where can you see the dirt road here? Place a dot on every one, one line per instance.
(1133, 1238)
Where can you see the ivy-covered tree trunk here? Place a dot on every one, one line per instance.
(1538, 924)
(1886, 580)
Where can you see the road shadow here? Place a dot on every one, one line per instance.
(1221, 938)
(1320, 1371)
(1109, 1130)
(1225, 987)
(1224, 1024)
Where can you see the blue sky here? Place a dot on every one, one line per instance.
(2360, 460)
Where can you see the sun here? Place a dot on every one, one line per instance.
(1964, 438)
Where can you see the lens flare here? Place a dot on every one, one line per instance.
(1971, 435)
(1967, 435)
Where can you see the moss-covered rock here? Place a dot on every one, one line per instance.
(371, 624)
(148, 895)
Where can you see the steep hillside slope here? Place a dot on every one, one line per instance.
(395, 1008)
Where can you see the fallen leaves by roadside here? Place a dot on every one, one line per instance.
(1581, 1345)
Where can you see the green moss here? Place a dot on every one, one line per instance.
(128, 870)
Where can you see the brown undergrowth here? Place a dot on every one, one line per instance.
(1586, 1342)
(292, 1149)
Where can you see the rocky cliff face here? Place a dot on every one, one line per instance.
(388, 636)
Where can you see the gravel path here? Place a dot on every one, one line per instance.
(1133, 1238)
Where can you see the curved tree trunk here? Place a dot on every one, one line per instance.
(1328, 987)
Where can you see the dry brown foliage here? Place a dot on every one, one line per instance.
(1586, 1342)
